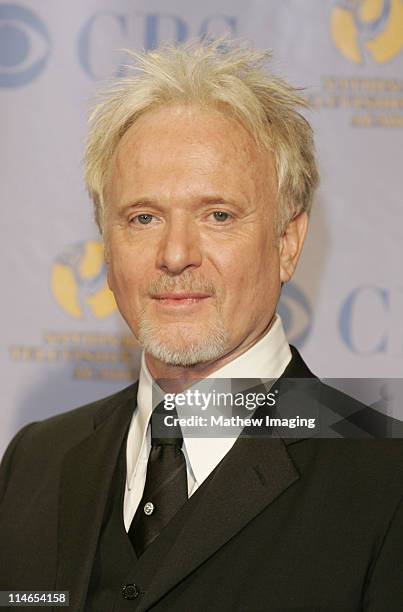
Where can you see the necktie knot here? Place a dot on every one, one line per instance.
(165, 428)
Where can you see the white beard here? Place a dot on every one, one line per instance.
(174, 345)
(176, 348)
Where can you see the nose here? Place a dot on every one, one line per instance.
(179, 247)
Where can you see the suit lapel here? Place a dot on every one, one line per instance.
(86, 476)
(250, 477)
(243, 484)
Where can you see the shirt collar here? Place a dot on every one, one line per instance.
(267, 358)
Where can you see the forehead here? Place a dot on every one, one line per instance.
(171, 145)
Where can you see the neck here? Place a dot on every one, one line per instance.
(174, 379)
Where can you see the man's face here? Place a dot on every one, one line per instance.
(193, 258)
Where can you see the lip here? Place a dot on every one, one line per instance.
(180, 299)
(182, 296)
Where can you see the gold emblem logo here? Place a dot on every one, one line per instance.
(368, 28)
(78, 281)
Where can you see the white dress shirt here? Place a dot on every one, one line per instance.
(266, 359)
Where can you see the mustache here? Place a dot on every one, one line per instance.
(188, 281)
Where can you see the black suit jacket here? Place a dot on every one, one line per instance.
(283, 524)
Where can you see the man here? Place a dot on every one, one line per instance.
(202, 172)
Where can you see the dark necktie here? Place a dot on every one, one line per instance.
(165, 489)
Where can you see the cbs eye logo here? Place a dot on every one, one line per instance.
(24, 45)
(296, 314)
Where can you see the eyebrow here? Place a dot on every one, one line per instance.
(203, 201)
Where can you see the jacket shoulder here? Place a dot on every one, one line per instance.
(51, 438)
(84, 417)
(88, 412)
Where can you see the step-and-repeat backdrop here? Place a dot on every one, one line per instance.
(64, 343)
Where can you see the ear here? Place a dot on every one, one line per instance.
(107, 261)
(106, 253)
(290, 245)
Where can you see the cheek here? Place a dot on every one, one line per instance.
(235, 276)
(254, 281)
(123, 275)
(248, 264)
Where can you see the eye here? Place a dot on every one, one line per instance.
(143, 219)
(221, 216)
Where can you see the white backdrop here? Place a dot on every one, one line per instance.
(63, 342)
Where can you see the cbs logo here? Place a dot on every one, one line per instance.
(25, 45)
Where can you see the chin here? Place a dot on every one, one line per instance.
(183, 346)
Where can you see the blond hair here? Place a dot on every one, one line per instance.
(221, 73)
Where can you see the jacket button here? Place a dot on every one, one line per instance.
(130, 591)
